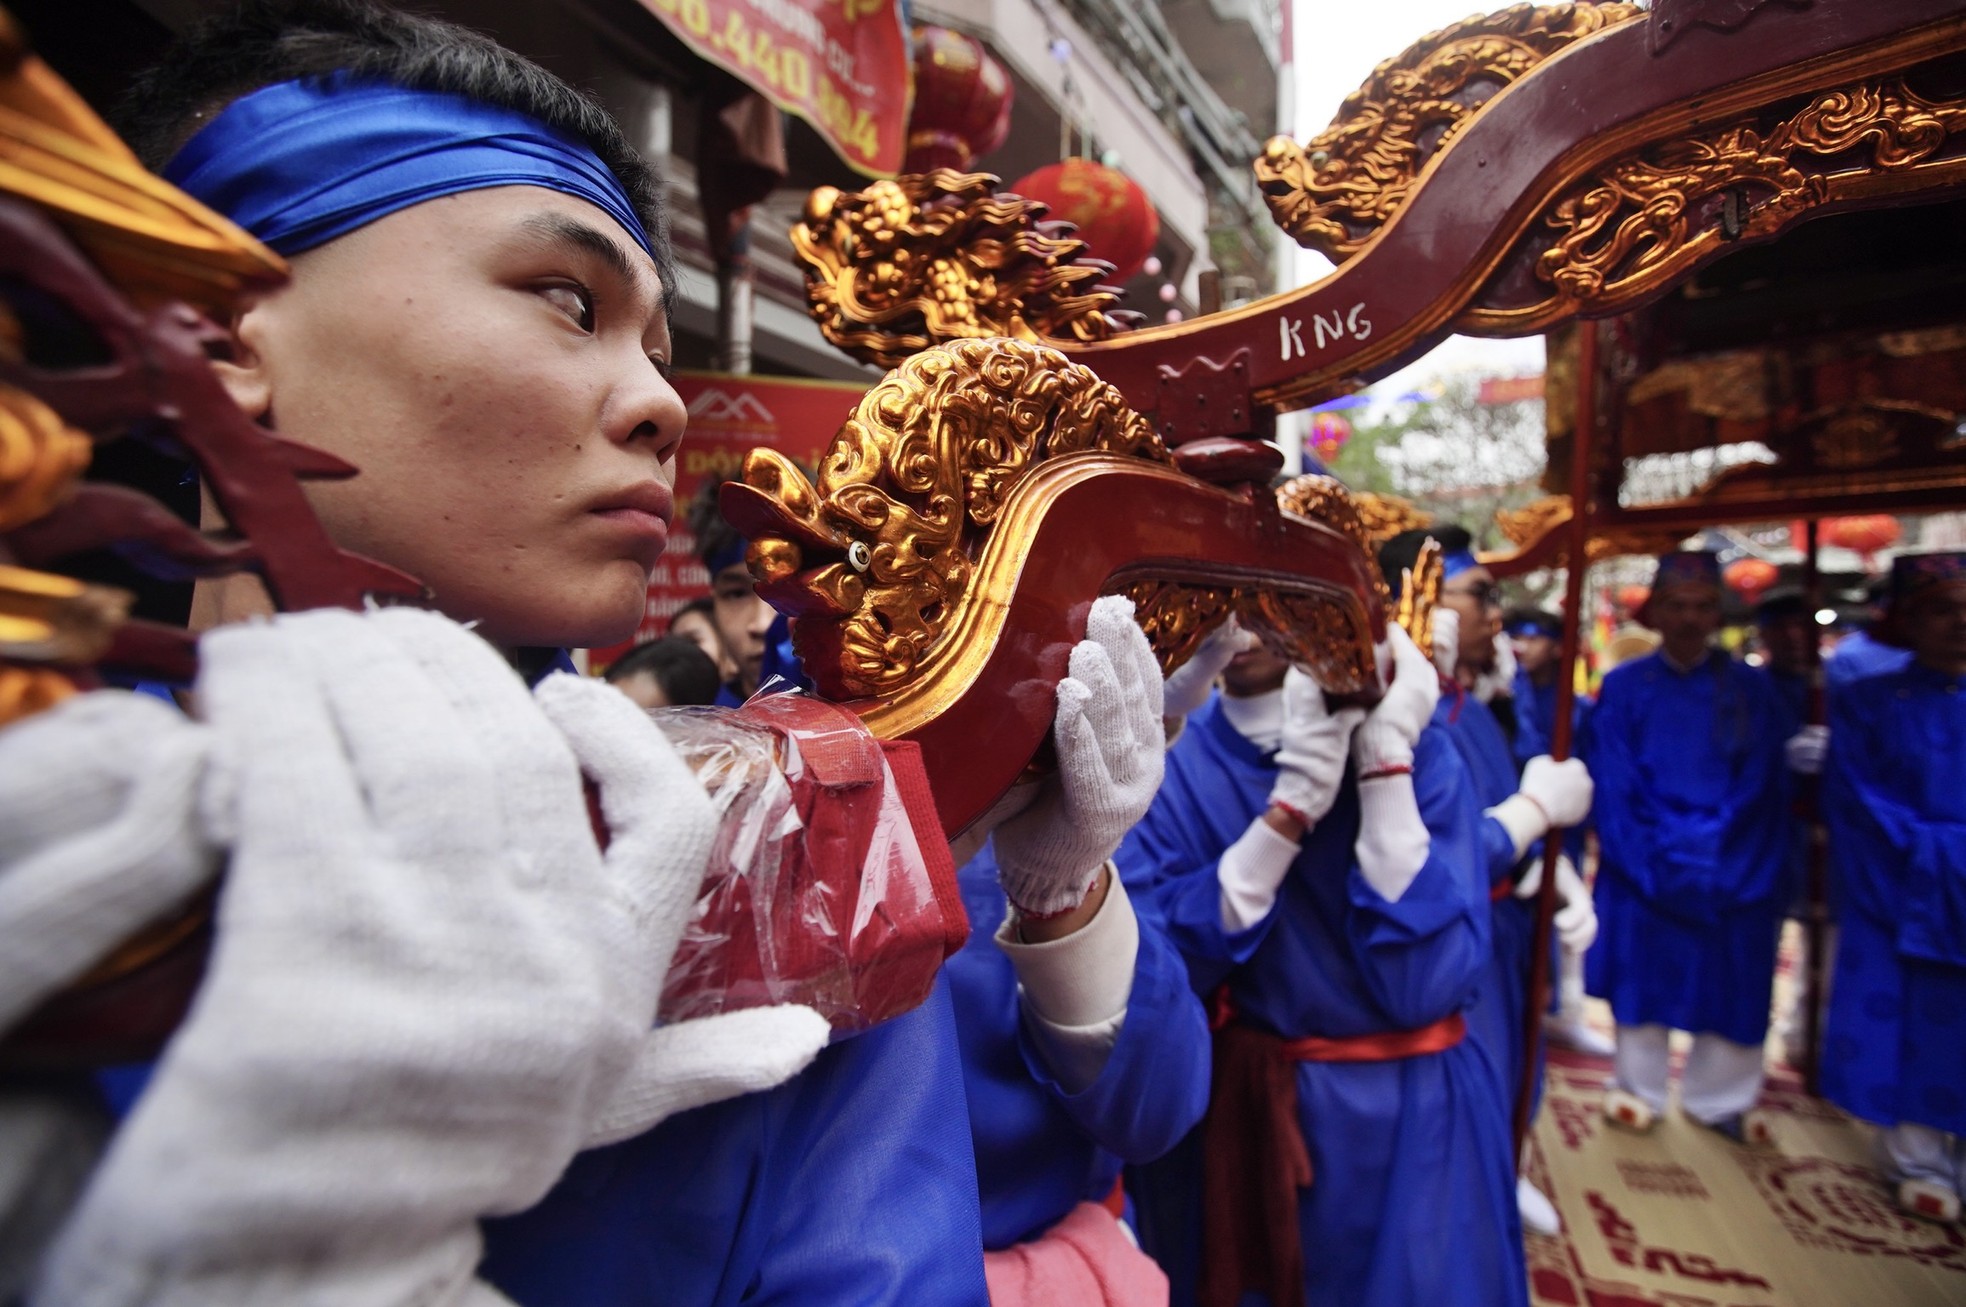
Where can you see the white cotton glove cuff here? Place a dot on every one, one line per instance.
(1083, 978)
(1250, 872)
(1562, 789)
(1393, 841)
(1522, 819)
(1446, 639)
(1377, 746)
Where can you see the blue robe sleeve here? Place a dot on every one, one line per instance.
(1625, 812)
(1170, 859)
(1902, 868)
(1420, 957)
(1154, 1086)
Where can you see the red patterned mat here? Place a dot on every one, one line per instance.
(1683, 1218)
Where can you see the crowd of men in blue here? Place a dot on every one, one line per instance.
(1241, 1014)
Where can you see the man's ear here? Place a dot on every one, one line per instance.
(241, 363)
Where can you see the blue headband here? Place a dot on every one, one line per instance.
(303, 162)
(1452, 565)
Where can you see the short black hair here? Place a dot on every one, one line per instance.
(1403, 550)
(715, 537)
(703, 605)
(685, 672)
(261, 43)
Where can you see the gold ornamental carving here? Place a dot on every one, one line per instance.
(1336, 191)
(1324, 633)
(1385, 516)
(1536, 530)
(1419, 594)
(922, 259)
(1644, 220)
(913, 484)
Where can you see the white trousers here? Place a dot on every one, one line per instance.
(1918, 1152)
(1722, 1078)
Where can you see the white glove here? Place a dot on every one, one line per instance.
(1563, 790)
(98, 835)
(1189, 687)
(1386, 737)
(1311, 756)
(1807, 749)
(1499, 679)
(643, 785)
(1111, 747)
(427, 982)
(1447, 639)
(1576, 916)
(1551, 793)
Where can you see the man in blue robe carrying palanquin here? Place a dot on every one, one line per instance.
(1895, 797)
(1477, 713)
(1536, 636)
(1687, 747)
(1320, 870)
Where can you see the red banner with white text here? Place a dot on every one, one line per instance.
(842, 65)
(729, 416)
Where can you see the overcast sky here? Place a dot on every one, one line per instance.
(1337, 44)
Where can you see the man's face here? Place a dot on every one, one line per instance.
(1472, 595)
(743, 621)
(1936, 629)
(1685, 616)
(1534, 652)
(696, 627)
(494, 363)
(1254, 671)
(1786, 641)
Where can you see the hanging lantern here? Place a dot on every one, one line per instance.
(1329, 432)
(1750, 576)
(1114, 217)
(1631, 598)
(1866, 535)
(962, 102)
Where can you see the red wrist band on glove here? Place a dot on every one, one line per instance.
(1381, 773)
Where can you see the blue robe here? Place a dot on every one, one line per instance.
(1895, 797)
(1041, 1150)
(1496, 1021)
(1535, 717)
(1693, 821)
(851, 1183)
(1858, 656)
(1414, 1197)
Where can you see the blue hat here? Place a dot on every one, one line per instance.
(1687, 567)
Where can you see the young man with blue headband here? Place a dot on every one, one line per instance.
(477, 319)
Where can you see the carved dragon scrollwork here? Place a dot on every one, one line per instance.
(1646, 218)
(1337, 190)
(909, 488)
(921, 259)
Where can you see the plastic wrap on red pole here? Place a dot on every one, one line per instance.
(830, 883)
(1576, 563)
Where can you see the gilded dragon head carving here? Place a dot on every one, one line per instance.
(1337, 190)
(918, 260)
(884, 542)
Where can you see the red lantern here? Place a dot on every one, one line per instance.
(1750, 576)
(1114, 217)
(1631, 598)
(1866, 535)
(962, 102)
(1329, 432)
